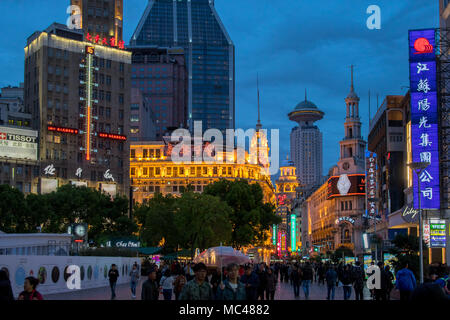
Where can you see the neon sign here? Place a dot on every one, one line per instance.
(371, 184)
(111, 42)
(62, 129)
(293, 232)
(112, 136)
(274, 234)
(422, 45)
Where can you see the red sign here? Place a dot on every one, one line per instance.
(422, 45)
(112, 136)
(62, 129)
(111, 42)
(2, 136)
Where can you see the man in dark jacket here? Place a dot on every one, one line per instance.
(307, 277)
(231, 288)
(296, 280)
(251, 282)
(261, 272)
(346, 279)
(358, 281)
(150, 288)
(331, 278)
(113, 274)
(406, 282)
(6, 293)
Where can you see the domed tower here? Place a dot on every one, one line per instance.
(352, 146)
(306, 143)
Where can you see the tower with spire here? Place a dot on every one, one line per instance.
(306, 143)
(352, 147)
(259, 147)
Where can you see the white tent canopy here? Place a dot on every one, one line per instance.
(221, 256)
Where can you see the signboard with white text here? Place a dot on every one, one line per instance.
(18, 143)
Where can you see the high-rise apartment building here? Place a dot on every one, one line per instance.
(101, 17)
(79, 96)
(306, 143)
(142, 120)
(195, 26)
(161, 75)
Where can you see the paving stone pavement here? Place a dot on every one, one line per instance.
(284, 291)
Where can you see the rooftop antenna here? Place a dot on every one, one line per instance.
(258, 125)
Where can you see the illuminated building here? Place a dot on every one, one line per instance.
(286, 193)
(12, 109)
(306, 143)
(153, 171)
(333, 214)
(103, 18)
(79, 96)
(161, 75)
(209, 52)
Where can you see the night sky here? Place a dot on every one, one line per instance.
(292, 44)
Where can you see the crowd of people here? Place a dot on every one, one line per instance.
(251, 282)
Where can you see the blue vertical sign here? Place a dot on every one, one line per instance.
(424, 115)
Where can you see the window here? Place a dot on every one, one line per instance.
(108, 113)
(108, 80)
(134, 118)
(108, 64)
(132, 153)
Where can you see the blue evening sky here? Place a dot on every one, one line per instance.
(292, 44)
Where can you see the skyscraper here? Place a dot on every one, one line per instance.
(195, 26)
(102, 18)
(306, 143)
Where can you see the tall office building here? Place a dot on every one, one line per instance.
(79, 96)
(161, 75)
(306, 143)
(195, 26)
(103, 18)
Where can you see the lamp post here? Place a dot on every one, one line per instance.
(418, 168)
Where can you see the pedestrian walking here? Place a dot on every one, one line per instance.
(134, 279)
(270, 285)
(380, 294)
(166, 283)
(231, 288)
(197, 288)
(216, 279)
(150, 288)
(296, 280)
(346, 280)
(307, 277)
(113, 274)
(30, 292)
(251, 282)
(390, 282)
(358, 281)
(331, 277)
(6, 293)
(262, 286)
(406, 282)
(178, 284)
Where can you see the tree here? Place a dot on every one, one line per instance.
(250, 218)
(340, 252)
(406, 248)
(13, 210)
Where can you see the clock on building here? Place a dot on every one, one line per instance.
(346, 165)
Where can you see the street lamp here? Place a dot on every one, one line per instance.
(418, 168)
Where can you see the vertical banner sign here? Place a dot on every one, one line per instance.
(283, 241)
(89, 90)
(279, 243)
(424, 116)
(437, 234)
(274, 234)
(371, 184)
(293, 232)
(426, 232)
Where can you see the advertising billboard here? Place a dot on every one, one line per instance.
(437, 234)
(293, 232)
(274, 234)
(109, 188)
(18, 143)
(424, 116)
(346, 185)
(371, 185)
(48, 185)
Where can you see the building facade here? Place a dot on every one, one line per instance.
(12, 108)
(79, 96)
(102, 18)
(306, 143)
(195, 26)
(161, 75)
(332, 216)
(142, 119)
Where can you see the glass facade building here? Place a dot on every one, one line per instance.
(209, 52)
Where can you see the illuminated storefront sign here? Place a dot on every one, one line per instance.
(49, 170)
(437, 234)
(293, 232)
(371, 184)
(352, 184)
(424, 116)
(279, 243)
(111, 42)
(341, 219)
(62, 129)
(350, 260)
(111, 136)
(410, 215)
(283, 241)
(18, 143)
(367, 260)
(426, 233)
(274, 234)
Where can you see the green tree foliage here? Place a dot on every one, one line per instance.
(250, 217)
(341, 252)
(54, 212)
(406, 249)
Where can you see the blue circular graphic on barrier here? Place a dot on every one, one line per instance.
(96, 271)
(20, 276)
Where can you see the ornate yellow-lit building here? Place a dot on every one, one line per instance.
(153, 171)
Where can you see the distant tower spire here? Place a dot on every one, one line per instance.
(258, 124)
(305, 95)
(351, 87)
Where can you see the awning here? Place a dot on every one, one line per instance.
(149, 250)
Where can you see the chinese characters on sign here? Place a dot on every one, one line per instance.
(437, 234)
(424, 116)
(274, 234)
(293, 232)
(371, 184)
(111, 42)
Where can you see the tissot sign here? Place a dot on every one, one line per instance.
(424, 115)
(18, 143)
